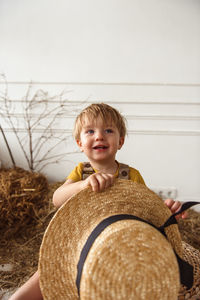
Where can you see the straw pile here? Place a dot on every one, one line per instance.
(25, 211)
(22, 196)
(190, 228)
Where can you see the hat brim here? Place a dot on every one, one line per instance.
(75, 220)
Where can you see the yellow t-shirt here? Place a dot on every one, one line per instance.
(76, 174)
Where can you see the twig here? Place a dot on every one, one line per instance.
(8, 147)
(39, 148)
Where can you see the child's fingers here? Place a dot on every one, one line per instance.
(169, 202)
(93, 182)
(184, 215)
(100, 181)
(109, 180)
(105, 181)
(175, 206)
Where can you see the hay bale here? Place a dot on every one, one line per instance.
(190, 228)
(22, 195)
(22, 249)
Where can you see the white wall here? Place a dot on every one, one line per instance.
(141, 56)
(106, 41)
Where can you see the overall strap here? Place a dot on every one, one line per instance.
(88, 170)
(124, 171)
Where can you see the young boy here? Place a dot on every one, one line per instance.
(99, 132)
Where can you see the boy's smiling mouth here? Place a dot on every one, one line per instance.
(100, 147)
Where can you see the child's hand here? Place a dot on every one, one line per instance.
(99, 181)
(174, 206)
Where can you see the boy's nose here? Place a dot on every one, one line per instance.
(99, 135)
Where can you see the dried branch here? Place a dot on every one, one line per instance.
(40, 145)
(8, 147)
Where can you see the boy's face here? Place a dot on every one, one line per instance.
(99, 141)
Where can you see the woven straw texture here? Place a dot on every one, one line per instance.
(73, 223)
(192, 256)
(130, 260)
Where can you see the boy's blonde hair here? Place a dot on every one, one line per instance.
(107, 114)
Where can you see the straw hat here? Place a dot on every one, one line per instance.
(128, 259)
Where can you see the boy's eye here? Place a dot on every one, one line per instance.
(90, 131)
(108, 130)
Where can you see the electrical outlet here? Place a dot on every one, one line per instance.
(166, 192)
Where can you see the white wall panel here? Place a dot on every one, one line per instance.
(141, 56)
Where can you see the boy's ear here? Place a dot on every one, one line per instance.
(121, 142)
(79, 144)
